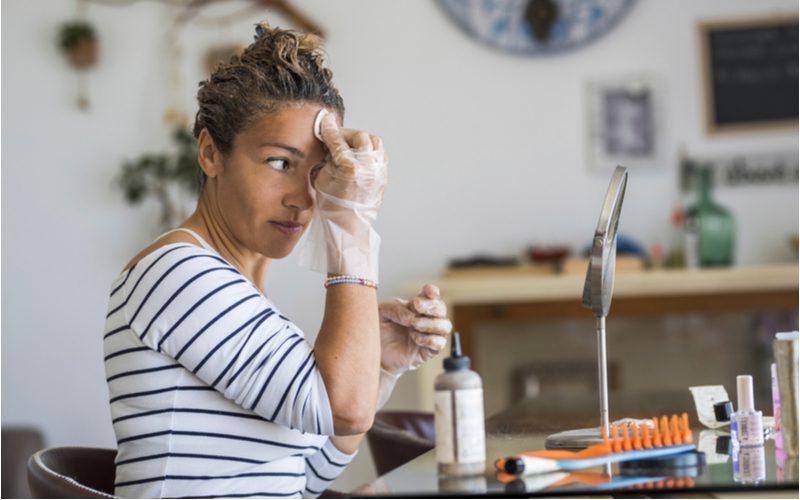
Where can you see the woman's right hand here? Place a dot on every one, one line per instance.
(357, 168)
(349, 191)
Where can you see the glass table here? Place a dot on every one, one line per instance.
(750, 471)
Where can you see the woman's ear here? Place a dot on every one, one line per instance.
(208, 156)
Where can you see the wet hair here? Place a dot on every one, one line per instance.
(280, 68)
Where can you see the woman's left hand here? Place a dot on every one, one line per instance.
(412, 332)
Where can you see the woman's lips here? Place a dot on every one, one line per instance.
(287, 227)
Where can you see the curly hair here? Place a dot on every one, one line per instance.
(280, 68)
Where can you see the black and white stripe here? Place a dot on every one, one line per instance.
(323, 468)
(213, 392)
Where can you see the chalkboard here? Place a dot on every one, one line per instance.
(750, 73)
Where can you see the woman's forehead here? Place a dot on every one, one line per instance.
(288, 119)
(290, 125)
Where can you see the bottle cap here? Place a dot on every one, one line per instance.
(456, 361)
(722, 411)
(514, 466)
(744, 389)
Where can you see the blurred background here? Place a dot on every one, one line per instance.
(500, 144)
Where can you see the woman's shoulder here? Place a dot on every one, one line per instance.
(162, 244)
(165, 255)
(173, 265)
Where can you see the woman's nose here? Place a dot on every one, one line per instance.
(301, 195)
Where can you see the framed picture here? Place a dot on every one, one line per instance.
(749, 73)
(624, 123)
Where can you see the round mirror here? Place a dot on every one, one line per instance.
(599, 285)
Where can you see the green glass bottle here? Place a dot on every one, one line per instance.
(710, 227)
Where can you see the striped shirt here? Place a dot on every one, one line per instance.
(212, 391)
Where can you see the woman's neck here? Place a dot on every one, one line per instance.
(210, 226)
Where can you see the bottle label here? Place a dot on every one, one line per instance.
(460, 435)
(749, 430)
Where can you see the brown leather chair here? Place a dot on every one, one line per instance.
(72, 472)
(397, 437)
(19, 443)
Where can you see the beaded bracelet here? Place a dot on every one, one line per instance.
(346, 278)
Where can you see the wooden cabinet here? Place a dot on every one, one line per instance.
(525, 294)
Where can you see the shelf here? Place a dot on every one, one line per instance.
(524, 284)
(476, 297)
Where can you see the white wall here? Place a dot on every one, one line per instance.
(487, 154)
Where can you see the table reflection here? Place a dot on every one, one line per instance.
(513, 431)
(749, 465)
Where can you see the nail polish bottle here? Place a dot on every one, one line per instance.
(746, 423)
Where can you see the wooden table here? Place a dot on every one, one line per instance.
(523, 293)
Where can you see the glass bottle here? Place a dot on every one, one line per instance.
(709, 227)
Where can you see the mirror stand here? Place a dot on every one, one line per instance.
(597, 292)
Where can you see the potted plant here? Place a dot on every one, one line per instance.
(78, 41)
(169, 177)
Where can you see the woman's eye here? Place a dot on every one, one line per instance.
(279, 164)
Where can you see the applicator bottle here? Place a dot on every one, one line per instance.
(458, 401)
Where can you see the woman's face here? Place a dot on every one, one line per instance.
(264, 189)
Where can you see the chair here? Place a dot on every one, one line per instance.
(72, 472)
(397, 437)
(18, 444)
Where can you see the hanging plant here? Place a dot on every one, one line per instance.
(169, 177)
(78, 41)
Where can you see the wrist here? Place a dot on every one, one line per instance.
(390, 375)
(354, 257)
(337, 279)
(386, 383)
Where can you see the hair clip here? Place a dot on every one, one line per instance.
(259, 32)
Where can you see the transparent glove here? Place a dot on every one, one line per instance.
(386, 385)
(349, 192)
(412, 332)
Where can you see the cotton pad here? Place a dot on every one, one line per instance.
(318, 123)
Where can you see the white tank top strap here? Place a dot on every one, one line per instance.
(193, 234)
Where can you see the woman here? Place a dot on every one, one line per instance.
(213, 392)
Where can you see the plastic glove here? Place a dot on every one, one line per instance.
(386, 384)
(412, 332)
(357, 171)
(349, 191)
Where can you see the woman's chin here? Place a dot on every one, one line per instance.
(279, 251)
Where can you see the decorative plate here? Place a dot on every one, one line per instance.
(536, 27)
